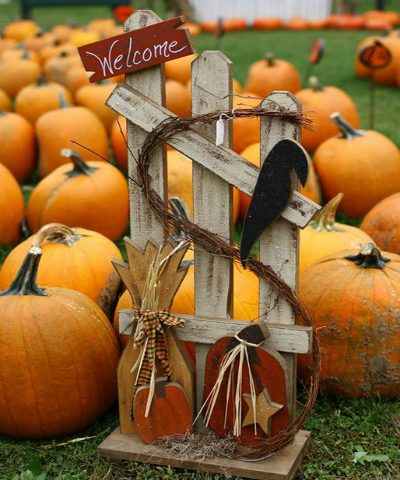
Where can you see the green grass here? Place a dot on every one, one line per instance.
(339, 427)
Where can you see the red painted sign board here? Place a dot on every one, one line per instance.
(136, 50)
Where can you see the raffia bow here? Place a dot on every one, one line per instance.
(150, 336)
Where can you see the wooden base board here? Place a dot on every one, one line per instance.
(281, 466)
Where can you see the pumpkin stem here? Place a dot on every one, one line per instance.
(42, 82)
(56, 233)
(369, 257)
(25, 280)
(62, 102)
(80, 166)
(348, 131)
(315, 84)
(325, 220)
(270, 59)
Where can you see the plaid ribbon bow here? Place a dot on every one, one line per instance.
(150, 333)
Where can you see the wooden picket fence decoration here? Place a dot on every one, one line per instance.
(212, 189)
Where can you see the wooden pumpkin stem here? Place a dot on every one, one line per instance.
(56, 233)
(80, 166)
(369, 257)
(42, 82)
(270, 59)
(324, 220)
(25, 280)
(348, 131)
(315, 84)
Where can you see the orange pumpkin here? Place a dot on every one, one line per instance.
(296, 23)
(39, 41)
(324, 236)
(317, 24)
(18, 53)
(17, 146)
(7, 44)
(193, 28)
(20, 30)
(12, 210)
(118, 142)
(353, 297)
(92, 195)
(387, 75)
(380, 24)
(56, 50)
(73, 258)
(389, 18)
(382, 223)
(364, 165)
(311, 189)
(178, 98)
(57, 361)
(104, 27)
(267, 23)
(234, 24)
(269, 74)
(210, 27)
(56, 129)
(17, 73)
(55, 68)
(93, 97)
(5, 102)
(319, 103)
(180, 68)
(76, 78)
(246, 131)
(83, 36)
(361, 70)
(34, 100)
(349, 22)
(62, 32)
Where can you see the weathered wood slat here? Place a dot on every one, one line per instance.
(222, 161)
(212, 75)
(284, 338)
(279, 243)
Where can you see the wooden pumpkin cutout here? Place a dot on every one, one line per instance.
(269, 375)
(170, 413)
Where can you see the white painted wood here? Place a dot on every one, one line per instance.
(144, 224)
(279, 243)
(223, 162)
(284, 338)
(212, 75)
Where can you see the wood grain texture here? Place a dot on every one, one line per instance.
(280, 242)
(283, 338)
(281, 466)
(221, 160)
(150, 82)
(212, 75)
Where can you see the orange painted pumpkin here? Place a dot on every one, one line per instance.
(364, 165)
(178, 98)
(73, 258)
(319, 103)
(180, 68)
(92, 195)
(269, 74)
(17, 146)
(311, 189)
(34, 100)
(12, 210)
(20, 30)
(5, 101)
(17, 73)
(324, 236)
(56, 129)
(93, 97)
(58, 358)
(382, 223)
(354, 298)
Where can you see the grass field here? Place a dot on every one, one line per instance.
(340, 428)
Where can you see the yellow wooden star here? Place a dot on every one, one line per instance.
(265, 409)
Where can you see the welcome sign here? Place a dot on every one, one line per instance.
(136, 50)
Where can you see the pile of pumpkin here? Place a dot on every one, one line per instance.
(389, 74)
(61, 340)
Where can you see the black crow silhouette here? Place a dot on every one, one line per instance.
(272, 191)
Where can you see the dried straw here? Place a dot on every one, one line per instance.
(215, 245)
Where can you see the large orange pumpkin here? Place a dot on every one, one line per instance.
(17, 146)
(364, 165)
(73, 258)
(361, 70)
(20, 30)
(92, 195)
(5, 101)
(268, 23)
(83, 36)
(41, 97)
(58, 358)
(76, 78)
(234, 24)
(17, 73)
(296, 23)
(318, 103)
(382, 223)
(56, 129)
(354, 298)
(180, 68)
(269, 74)
(387, 75)
(19, 53)
(118, 142)
(311, 189)
(324, 236)
(12, 210)
(177, 98)
(55, 68)
(93, 97)
(246, 131)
